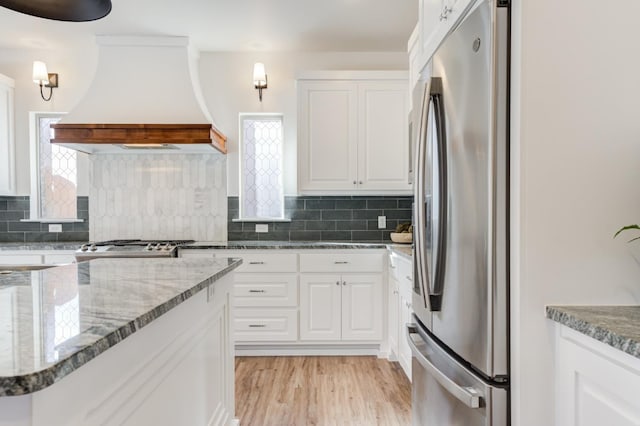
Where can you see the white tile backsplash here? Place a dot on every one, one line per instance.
(158, 196)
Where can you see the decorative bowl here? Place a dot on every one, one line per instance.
(402, 237)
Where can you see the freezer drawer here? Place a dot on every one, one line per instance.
(445, 393)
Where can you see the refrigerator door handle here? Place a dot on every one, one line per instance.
(421, 283)
(467, 395)
(435, 294)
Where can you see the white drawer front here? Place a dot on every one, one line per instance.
(263, 262)
(21, 259)
(251, 325)
(404, 271)
(341, 262)
(265, 290)
(50, 259)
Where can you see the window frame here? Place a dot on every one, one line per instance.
(34, 169)
(258, 115)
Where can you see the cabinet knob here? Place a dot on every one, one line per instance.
(354, 182)
(344, 283)
(337, 282)
(360, 182)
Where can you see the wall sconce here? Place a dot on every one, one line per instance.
(44, 79)
(259, 78)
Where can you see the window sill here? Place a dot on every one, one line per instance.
(260, 220)
(43, 220)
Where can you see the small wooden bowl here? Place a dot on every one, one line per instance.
(402, 237)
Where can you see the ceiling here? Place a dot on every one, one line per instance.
(232, 25)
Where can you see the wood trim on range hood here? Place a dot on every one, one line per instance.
(90, 138)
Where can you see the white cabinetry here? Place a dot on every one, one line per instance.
(345, 304)
(340, 307)
(37, 257)
(400, 310)
(595, 383)
(307, 302)
(7, 137)
(265, 294)
(435, 20)
(353, 133)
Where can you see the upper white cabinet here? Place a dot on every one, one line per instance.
(7, 144)
(352, 133)
(436, 19)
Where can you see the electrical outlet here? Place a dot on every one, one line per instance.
(382, 222)
(55, 227)
(262, 227)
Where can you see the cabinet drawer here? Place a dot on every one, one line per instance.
(251, 325)
(20, 259)
(51, 259)
(263, 262)
(341, 262)
(265, 290)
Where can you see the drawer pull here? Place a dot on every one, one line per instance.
(256, 263)
(257, 326)
(256, 291)
(341, 262)
(409, 278)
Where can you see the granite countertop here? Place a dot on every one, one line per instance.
(55, 320)
(278, 245)
(616, 326)
(41, 246)
(404, 250)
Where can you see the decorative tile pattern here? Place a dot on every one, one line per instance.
(616, 326)
(12, 209)
(262, 188)
(339, 218)
(158, 196)
(86, 308)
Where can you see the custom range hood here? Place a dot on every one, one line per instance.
(145, 97)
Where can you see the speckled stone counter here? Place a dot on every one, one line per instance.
(616, 326)
(40, 246)
(403, 250)
(282, 245)
(55, 320)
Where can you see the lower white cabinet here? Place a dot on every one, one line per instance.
(400, 309)
(340, 307)
(595, 384)
(37, 257)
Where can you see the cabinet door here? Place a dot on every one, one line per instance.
(394, 317)
(7, 165)
(320, 307)
(327, 126)
(383, 147)
(404, 355)
(362, 307)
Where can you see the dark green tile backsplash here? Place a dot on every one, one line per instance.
(12, 209)
(347, 218)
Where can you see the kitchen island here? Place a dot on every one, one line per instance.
(597, 364)
(124, 341)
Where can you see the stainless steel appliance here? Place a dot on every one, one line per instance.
(460, 338)
(129, 248)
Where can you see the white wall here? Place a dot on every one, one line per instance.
(226, 80)
(576, 158)
(75, 70)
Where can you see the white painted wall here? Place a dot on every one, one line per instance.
(576, 158)
(226, 80)
(75, 70)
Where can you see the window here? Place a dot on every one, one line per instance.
(54, 177)
(261, 188)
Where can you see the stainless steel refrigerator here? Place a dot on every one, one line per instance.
(460, 334)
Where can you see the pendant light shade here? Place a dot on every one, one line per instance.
(61, 10)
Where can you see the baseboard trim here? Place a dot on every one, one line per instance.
(308, 350)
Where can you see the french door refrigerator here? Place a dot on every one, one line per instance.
(460, 334)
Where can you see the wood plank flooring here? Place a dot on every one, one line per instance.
(315, 390)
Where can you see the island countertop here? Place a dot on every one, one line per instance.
(616, 326)
(55, 320)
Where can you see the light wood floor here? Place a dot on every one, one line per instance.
(338, 390)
